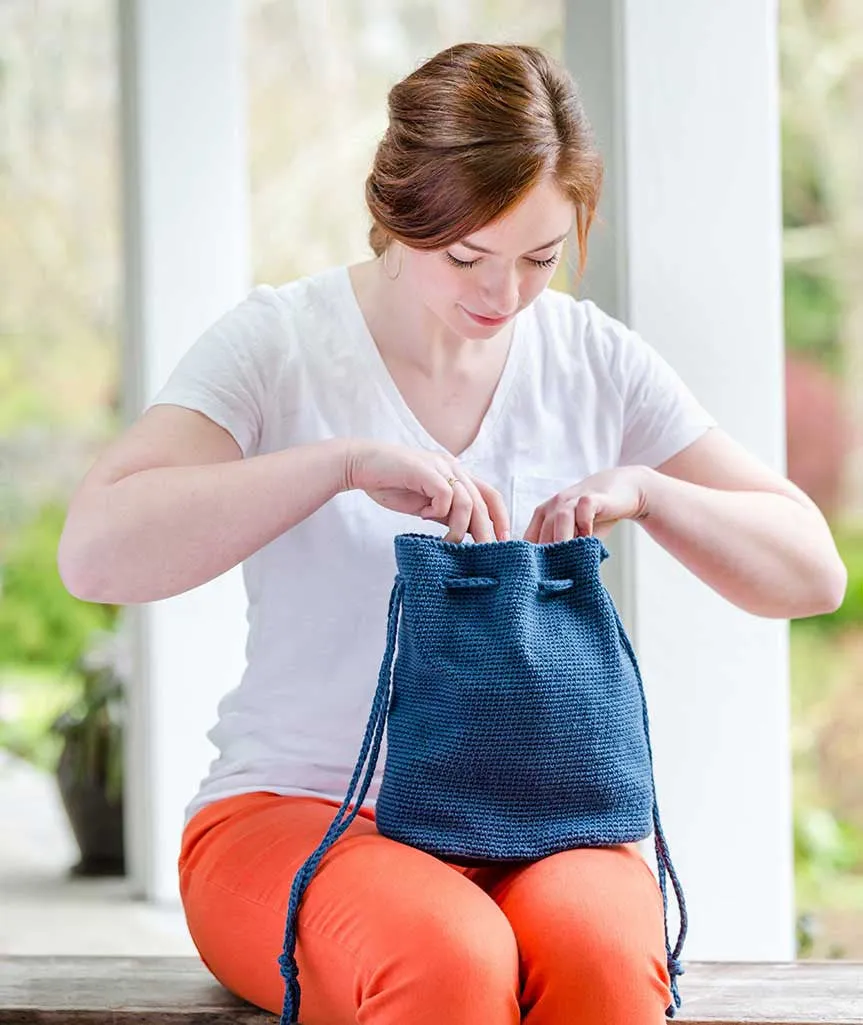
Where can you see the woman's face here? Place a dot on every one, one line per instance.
(475, 286)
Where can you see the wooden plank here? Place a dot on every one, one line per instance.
(180, 991)
(789, 993)
(117, 991)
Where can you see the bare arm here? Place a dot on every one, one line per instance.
(172, 504)
(740, 527)
(745, 530)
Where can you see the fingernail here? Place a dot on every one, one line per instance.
(506, 536)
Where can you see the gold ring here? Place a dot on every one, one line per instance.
(452, 481)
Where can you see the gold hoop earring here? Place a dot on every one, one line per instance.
(385, 263)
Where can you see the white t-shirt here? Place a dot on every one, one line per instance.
(296, 364)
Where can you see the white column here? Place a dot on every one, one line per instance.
(186, 262)
(684, 98)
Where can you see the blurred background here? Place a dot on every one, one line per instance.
(63, 662)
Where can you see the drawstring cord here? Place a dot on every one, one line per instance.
(663, 855)
(372, 739)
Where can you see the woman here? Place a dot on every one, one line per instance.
(443, 381)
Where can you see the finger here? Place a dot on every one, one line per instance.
(563, 523)
(546, 534)
(585, 514)
(460, 513)
(497, 510)
(436, 487)
(441, 477)
(535, 525)
(481, 526)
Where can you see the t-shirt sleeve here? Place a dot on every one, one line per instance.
(229, 374)
(661, 415)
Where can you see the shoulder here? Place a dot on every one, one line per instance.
(577, 331)
(579, 321)
(316, 312)
(270, 323)
(319, 295)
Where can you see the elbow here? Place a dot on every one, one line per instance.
(75, 562)
(835, 587)
(825, 595)
(819, 594)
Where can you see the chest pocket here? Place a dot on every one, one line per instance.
(528, 492)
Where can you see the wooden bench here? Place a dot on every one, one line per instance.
(179, 991)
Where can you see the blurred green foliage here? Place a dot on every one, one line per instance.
(41, 624)
(803, 185)
(823, 845)
(49, 689)
(828, 875)
(812, 314)
(828, 845)
(31, 701)
(45, 635)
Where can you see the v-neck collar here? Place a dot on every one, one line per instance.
(396, 401)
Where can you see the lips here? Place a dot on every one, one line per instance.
(486, 321)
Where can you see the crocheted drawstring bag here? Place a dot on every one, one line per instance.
(515, 718)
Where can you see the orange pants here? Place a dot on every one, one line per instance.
(390, 935)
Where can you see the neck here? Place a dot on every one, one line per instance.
(406, 331)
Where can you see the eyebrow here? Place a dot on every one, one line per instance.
(536, 249)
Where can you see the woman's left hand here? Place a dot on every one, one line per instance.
(591, 507)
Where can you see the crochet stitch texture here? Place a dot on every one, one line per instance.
(515, 715)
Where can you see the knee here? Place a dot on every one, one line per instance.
(625, 970)
(618, 956)
(604, 966)
(486, 953)
(468, 966)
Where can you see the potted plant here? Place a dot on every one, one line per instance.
(90, 766)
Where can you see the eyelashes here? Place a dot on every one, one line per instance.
(467, 264)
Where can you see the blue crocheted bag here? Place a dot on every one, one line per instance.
(515, 715)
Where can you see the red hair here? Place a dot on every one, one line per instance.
(470, 132)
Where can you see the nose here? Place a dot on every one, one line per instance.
(500, 293)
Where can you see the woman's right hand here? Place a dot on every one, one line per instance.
(431, 485)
